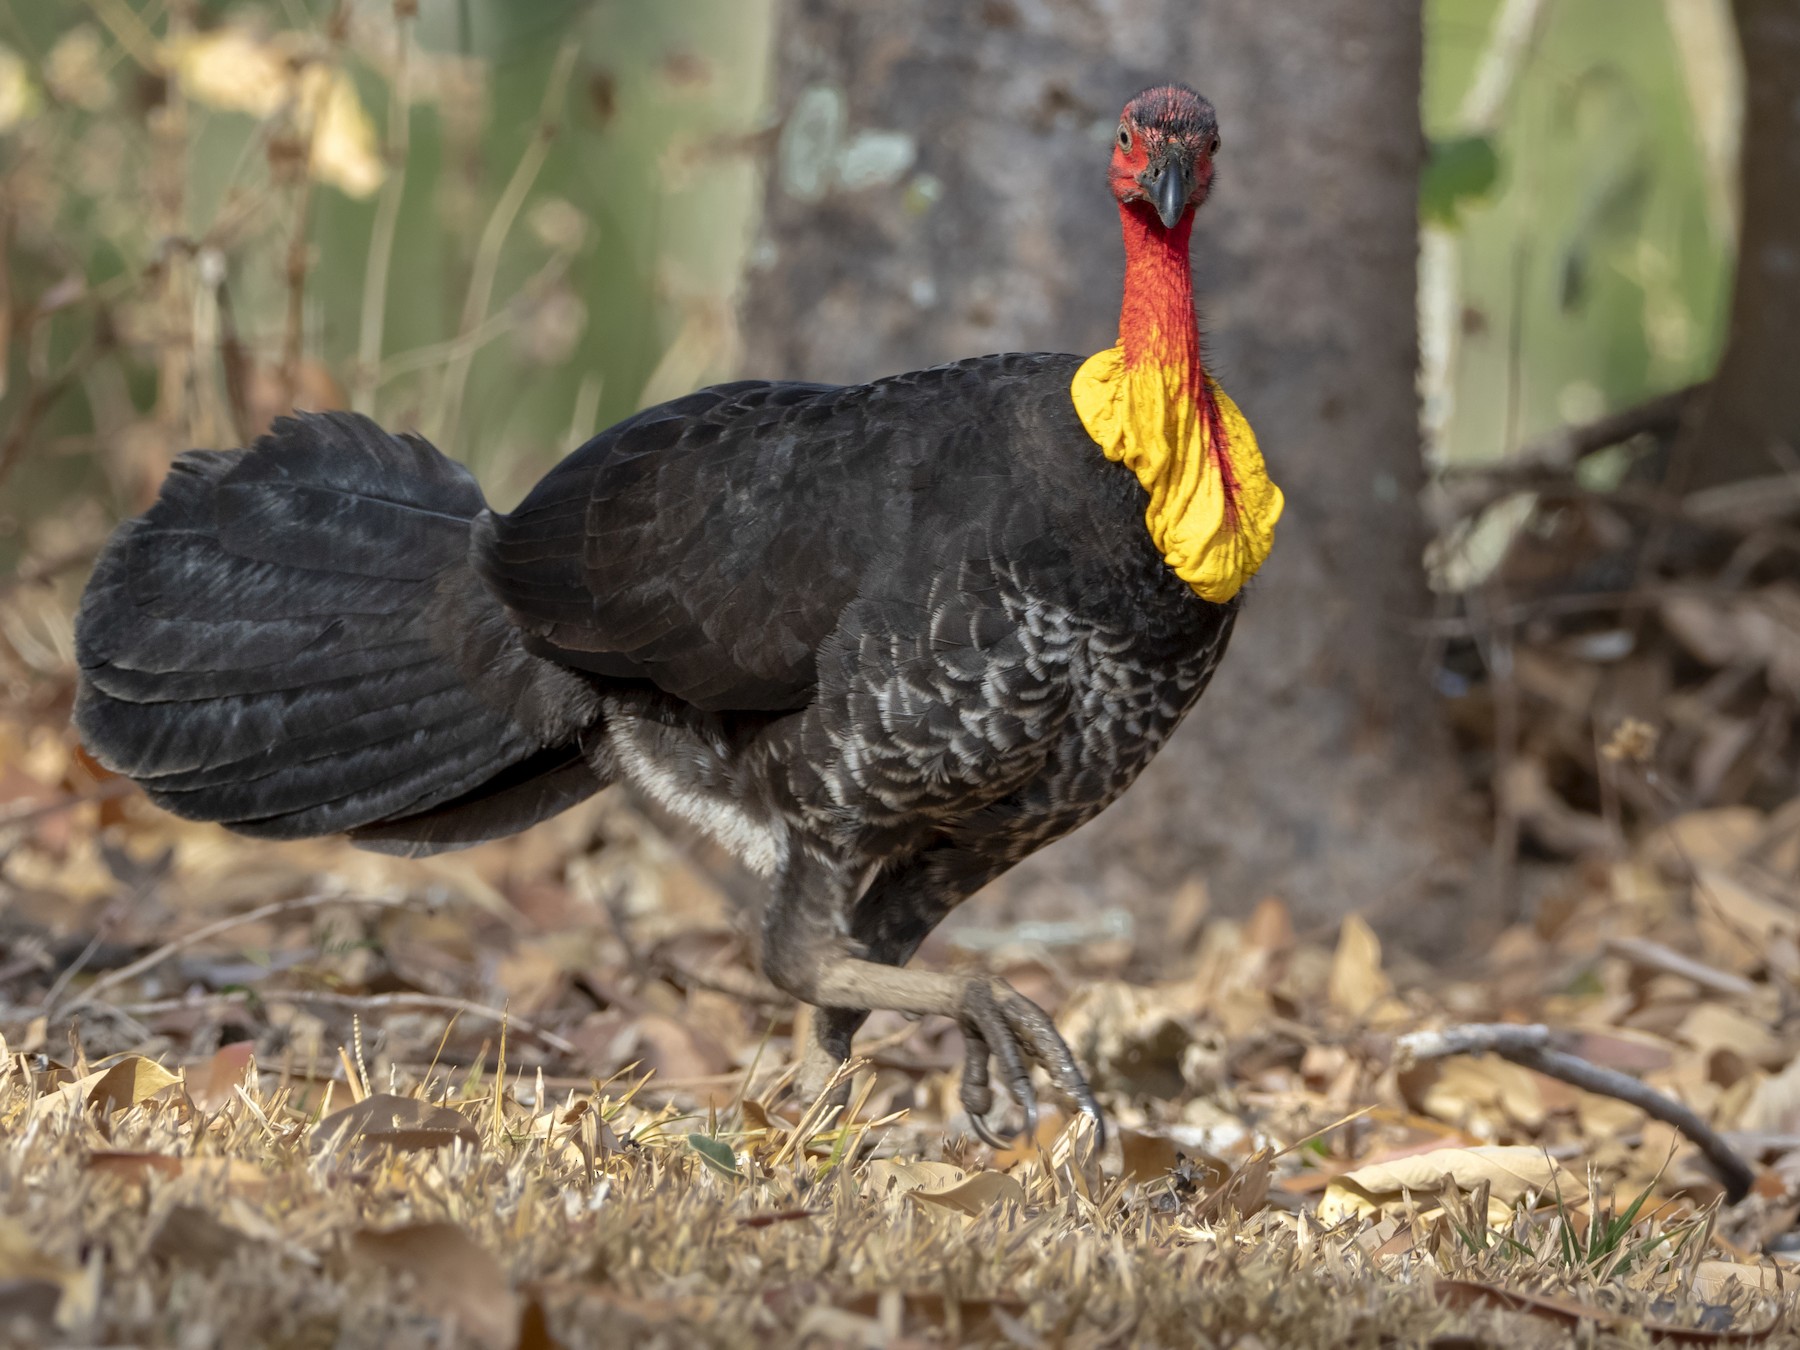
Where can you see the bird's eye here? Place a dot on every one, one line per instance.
(1212, 146)
(1125, 139)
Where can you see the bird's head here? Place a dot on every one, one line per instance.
(1163, 151)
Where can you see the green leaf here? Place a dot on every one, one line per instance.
(716, 1154)
(1461, 169)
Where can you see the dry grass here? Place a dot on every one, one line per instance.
(618, 1161)
(593, 1219)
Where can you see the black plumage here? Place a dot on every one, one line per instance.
(882, 641)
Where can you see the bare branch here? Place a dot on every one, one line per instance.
(363, 1004)
(1531, 1046)
(1650, 955)
(153, 959)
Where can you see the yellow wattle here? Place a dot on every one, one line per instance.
(1142, 415)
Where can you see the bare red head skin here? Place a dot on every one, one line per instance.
(1162, 168)
(1163, 153)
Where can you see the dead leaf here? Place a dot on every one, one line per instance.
(452, 1275)
(974, 1194)
(1245, 1191)
(1713, 838)
(1270, 928)
(1478, 1095)
(1145, 1156)
(1357, 983)
(534, 1328)
(214, 1084)
(1570, 1312)
(1512, 1173)
(192, 1236)
(897, 1176)
(1714, 1026)
(1738, 921)
(979, 1319)
(1716, 1281)
(132, 1081)
(1774, 1105)
(403, 1123)
(770, 1218)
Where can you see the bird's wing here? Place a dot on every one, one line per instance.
(710, 545)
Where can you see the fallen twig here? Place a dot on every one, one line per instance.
(1667, 961)
(1531, 1046)
(1566, 446)
(152, 959)
(355, 1003)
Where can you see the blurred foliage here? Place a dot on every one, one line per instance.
(1595, 246)
(157, 160)
(1460, 169)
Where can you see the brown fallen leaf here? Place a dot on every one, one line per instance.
(192, 1236)
(403, 1123)
(1466, 1092)
(1511, 1173)
(772, 1217)
(215, 1083)
(534, 1328)
(132, 1081)
(1357, 981)
(452, 1275)
(1716, 1281)
(1357, 984)
(1145, 1156)
(1570, 1312)
(897, 1176)
(973, 1195)
(1244, 1192)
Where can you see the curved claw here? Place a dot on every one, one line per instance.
(1000, 1022)
(1085, 1103)
(986, 1133)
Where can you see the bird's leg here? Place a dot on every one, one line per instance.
(808, 952)
(997, 1021)
(827, 1048)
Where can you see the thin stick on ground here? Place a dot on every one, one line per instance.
(1532, 1047)
(1648, 955)
(363, 1004)
(153, 959)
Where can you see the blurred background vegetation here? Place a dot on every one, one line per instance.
(570, 190)
(566, 187)
(1594, 220)
(571, 194)
(508, 225)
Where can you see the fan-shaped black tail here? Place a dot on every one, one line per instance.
(291, 642)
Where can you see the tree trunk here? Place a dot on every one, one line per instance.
(1749, 424)
(1317, 767)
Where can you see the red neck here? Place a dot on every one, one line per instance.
(1156, 320)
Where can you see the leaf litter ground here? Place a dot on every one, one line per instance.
(535, 1096)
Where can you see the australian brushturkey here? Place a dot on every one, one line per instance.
(881, 641)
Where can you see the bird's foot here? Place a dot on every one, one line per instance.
(1002, 1025)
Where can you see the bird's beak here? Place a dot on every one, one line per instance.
(1169, 192)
